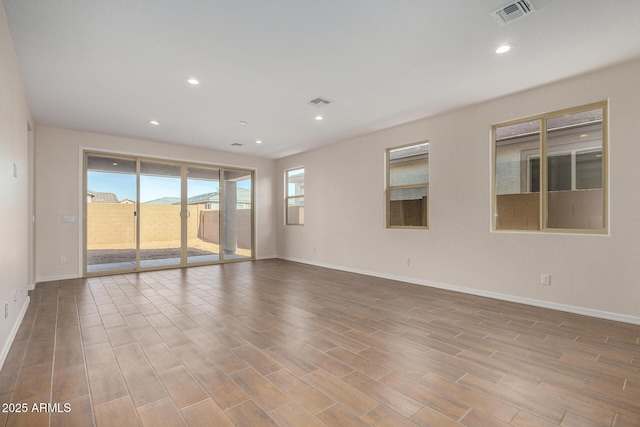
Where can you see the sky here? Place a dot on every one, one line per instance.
(151, 187)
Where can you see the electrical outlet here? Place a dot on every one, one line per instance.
(15, 296)
(545, 279)
(407, 262)
(63, 260)
(6, 310)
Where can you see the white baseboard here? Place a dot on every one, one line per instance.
(77, 276)
(495, 295)
(54, 278)
(14, 331)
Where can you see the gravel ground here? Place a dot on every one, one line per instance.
(156, 250)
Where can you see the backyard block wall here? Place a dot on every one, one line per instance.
(296, 214)
(159, 223)
(409, 212)
(114, 224)
(210, 227)
(110, 224)
(518, 211)
(579, 209)
(576, 209)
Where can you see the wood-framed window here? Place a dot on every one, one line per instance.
(407, 193)
(550, 172)
(294, 189)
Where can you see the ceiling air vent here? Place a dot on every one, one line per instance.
(236, 144)
(319, 102)
(512, 11)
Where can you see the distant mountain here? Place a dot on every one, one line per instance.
(243, 196)
(203, 198)
(164, 201)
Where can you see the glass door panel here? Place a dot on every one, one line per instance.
(160, 214)
(203, 219)
(110, 213)
(238, 215)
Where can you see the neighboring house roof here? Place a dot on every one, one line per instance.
(580, 119)
(204, 198)
(244, 196)
(97, 197)
(415, 150)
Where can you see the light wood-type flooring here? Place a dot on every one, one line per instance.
(274, 342)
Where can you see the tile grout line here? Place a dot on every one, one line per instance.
(55, 345)
(84, 359)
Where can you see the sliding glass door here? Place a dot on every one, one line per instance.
(238, 231)
(110, 213)
(160, 214)
(144, 214)
(203, 214)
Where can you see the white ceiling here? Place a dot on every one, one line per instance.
(111, 66)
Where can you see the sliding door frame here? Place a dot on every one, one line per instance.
(184, 165)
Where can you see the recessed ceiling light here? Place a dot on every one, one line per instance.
(319, 118)
(154, 122)
(503, 49)
(115, 163)
(193, 81)
(242, 122)
(258, 142)
(584, 135)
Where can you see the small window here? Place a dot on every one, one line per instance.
(295, 196)
(550, 172)
(408, 186)
(584, 165)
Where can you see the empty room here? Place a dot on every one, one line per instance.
(221, 213)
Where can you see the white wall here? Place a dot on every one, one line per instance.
(59, 183)
(345, 207)
(14, 209)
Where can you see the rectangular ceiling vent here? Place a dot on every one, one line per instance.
(319, 102)
(236, 144)
(513, 11)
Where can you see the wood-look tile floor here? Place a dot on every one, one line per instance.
(278, 343)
